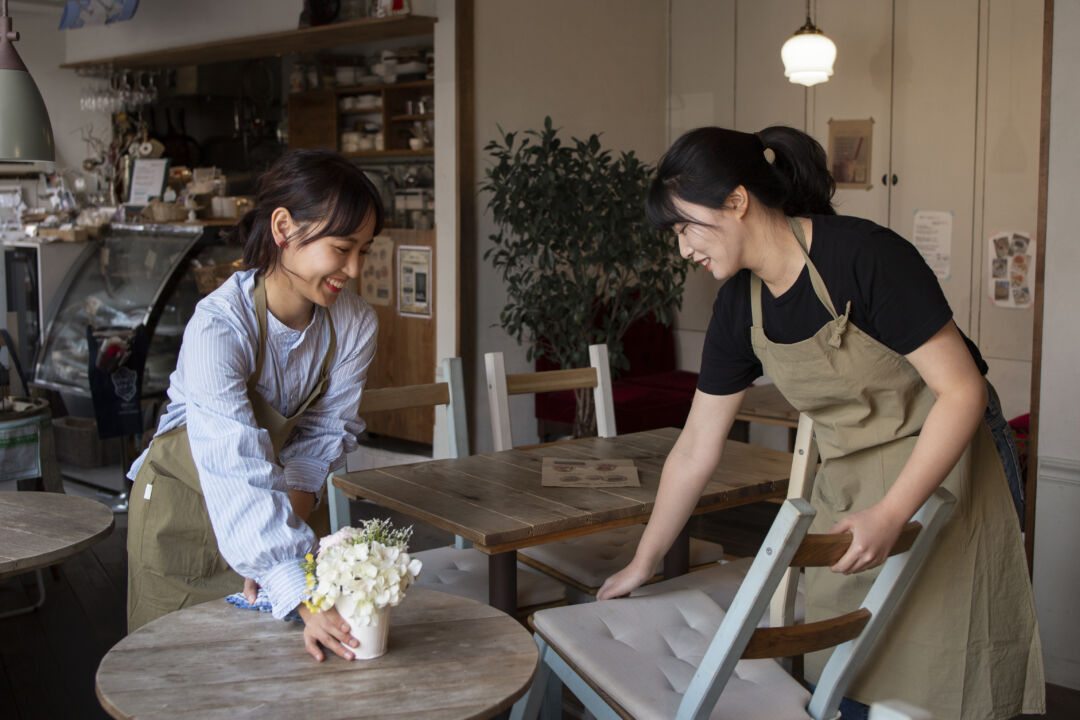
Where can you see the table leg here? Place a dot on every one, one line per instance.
(677, 560)
(502, 582)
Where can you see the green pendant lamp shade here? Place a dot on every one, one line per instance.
(25, 131)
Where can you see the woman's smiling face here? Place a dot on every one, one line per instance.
(319, 270)
(710, 237)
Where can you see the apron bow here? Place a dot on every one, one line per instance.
(840, 327)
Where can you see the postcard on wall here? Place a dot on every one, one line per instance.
(932, 236)
(557, 472)
(377, 278)
(414, 281)
(1011, 269)
(849, 153)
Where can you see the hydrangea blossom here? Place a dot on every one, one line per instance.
(361, 570)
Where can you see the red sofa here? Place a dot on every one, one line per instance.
(651, 394)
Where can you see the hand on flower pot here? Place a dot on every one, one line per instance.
(328, 629)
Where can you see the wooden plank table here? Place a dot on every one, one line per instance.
(38, 529)
(496, 500)
(449, 657)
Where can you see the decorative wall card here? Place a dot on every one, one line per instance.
(377, 279)
(1011, 269)
(414, 281)
(932, 235)
(849, 153)
(557, 472)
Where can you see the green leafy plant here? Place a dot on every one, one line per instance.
(580, 260)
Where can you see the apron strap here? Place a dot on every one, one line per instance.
(260, 319)
(815, 280)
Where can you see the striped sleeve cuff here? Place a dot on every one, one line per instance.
(284, 586)
(306, 474)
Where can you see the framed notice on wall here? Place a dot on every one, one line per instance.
(414, 281)
(849, 153)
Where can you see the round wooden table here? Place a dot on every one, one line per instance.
(38, 529)
(449, 657)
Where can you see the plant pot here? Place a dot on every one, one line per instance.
(373, 638)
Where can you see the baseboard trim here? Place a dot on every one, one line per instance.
(1062, 471)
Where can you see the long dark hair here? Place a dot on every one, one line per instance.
(706, 164)
(325, 194)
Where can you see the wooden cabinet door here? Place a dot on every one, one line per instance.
(861, 88)
(935, 79)
(313, 120)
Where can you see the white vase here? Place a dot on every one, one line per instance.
(373, 638)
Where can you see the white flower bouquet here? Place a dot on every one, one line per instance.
(360, 571)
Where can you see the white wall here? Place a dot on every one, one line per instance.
(42, 49)
(1057, 531)
(594, 67)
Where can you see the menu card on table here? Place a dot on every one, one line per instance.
(557, 472)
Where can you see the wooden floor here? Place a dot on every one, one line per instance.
(48, 658)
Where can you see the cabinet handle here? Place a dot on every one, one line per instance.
(885, 179)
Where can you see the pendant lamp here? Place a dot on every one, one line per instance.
(808, 55)
(25, 131)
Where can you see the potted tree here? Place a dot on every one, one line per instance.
(580, 260)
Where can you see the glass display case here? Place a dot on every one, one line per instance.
(134, 274)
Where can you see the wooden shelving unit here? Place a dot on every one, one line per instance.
(317, 120)
(307, 40)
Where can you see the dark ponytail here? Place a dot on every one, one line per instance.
(325, 194)
(706, 164)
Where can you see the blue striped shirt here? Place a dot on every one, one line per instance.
(245, 490)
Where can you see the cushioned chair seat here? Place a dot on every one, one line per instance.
(465, 573)
(642, 653)
(719, 582)
(589, 560)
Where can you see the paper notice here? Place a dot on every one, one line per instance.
(932, 236)
(588, 473)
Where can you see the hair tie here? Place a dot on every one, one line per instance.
(768, 152)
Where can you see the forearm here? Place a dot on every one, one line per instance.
(681, 483)
(302, 503)
(945, 435)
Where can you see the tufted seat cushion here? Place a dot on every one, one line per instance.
(589, 559)
(465, 573)
(642, 653)
(720, 582)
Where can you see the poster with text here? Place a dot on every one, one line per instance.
(414, 281)
(849, 153)
(377, 277)
(1010, 269)
(932, 236)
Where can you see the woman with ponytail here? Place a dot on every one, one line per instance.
(852, 326)
(263, 405)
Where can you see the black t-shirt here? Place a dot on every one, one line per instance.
(895, 298)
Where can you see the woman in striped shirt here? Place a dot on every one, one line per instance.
(263, 405)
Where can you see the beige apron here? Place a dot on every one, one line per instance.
(964, 643)
(173, 556)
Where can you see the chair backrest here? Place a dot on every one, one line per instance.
(852, 635)
(803, 468)
(502, 385)
(450, 392)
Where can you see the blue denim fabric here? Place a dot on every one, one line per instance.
(1006, 447)
(849, 709)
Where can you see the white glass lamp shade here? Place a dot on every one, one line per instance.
(808, 57)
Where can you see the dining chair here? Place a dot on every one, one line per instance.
(680, 655)
(458, 569)
(584, 562)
